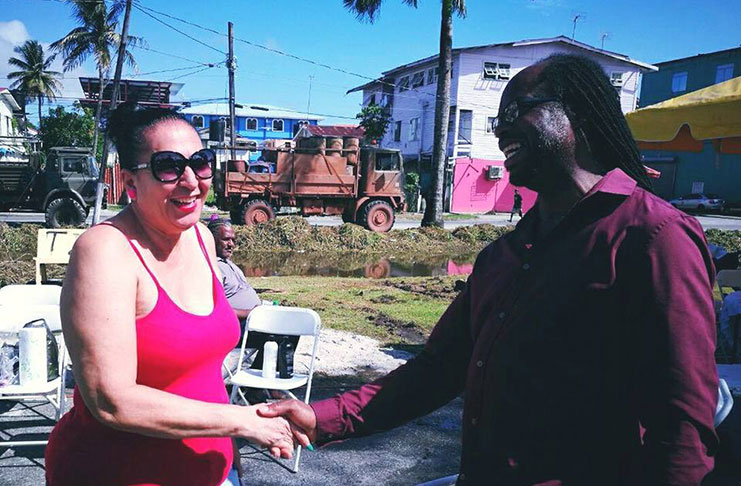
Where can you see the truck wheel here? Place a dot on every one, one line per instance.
(378, 216)
(257, 211)
(64, 212)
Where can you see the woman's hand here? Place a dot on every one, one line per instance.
(273, 433)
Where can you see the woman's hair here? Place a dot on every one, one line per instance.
(591, 101)
(126, 124)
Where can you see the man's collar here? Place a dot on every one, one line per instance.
(614, 182)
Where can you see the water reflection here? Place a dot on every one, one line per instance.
(291, 263)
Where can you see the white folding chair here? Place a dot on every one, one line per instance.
(20, 304)
(292, 321)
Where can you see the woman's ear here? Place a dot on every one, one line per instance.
(129, 185)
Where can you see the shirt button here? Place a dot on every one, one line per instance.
(501, 315)
(526, 266)
(479, 363)
(462, 476)
(474, 421)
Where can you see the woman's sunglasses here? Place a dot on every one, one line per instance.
(169, 166)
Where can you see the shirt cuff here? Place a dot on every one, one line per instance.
(328, 419)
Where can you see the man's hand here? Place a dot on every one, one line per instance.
(300, 415)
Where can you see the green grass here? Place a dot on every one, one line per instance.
(394, 310)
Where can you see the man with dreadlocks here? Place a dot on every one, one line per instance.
(584, 339)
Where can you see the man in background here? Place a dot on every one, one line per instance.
(516, 206)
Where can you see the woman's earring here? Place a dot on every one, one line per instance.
(131, 192)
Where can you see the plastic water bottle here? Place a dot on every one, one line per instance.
(269, 359)
(285, 358)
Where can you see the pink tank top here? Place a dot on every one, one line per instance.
(177, 352)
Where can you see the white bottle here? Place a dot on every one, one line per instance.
(269, 359)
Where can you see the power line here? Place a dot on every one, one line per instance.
(142, 10)
(190, 74)
(146, 48)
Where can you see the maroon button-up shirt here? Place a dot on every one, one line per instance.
(568, 349)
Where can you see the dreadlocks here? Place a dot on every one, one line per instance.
(590, 100)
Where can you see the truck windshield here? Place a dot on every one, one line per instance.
(387, 161)
(93, 167)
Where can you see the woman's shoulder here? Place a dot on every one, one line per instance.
(106, 241)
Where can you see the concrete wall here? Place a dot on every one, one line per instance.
(701, 72)
(720, 173)
(474, 193)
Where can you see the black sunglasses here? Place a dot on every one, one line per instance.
(517, 108)
(169, 166)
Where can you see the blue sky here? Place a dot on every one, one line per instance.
(322, 30)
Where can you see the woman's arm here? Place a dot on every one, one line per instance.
(98, 309)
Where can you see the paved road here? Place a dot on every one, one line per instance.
(403, 221)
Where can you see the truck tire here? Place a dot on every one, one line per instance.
(257, 211)
(377, 216)
(64, 211)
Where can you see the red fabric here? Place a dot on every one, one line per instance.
(179, 353)
(564, 346)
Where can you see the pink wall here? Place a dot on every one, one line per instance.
(474, 193)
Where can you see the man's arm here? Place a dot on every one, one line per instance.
(679, 376)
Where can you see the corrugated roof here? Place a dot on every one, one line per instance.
(247, 110)
(522, 43)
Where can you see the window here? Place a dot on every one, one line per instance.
(226, 120)
(397, 131)
(197, 121)
(277, 125)
(432, 75)
(413, 129)
(385, 99)
(723, 73)
(251, 124)
(464, 126)
(387, 161)
(404, 84)
(616, 78)
(73, 165)
(679, 82)
(298, 126)
(490, 124)
(493, 70)
(418, 79)
(372, 99)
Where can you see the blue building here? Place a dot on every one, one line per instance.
(254, 124)
(680, 76)
(702, 169)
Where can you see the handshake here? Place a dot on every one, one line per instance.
(281, 425)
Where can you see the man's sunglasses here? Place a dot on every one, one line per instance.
(517, 108)
(169, 166)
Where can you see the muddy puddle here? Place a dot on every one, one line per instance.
(317, 264)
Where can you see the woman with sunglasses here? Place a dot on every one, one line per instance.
(148, 326)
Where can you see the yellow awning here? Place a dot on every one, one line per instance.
(712, 112)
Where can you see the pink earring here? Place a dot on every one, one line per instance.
(131, 193)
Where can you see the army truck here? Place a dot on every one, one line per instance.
(64, 188)
(331, 176)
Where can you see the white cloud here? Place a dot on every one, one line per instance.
(13, 34)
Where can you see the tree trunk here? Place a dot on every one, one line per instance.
(40, 99)
(434, 210)
(98, 113)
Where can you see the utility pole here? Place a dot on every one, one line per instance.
(605, 35)
(231, 65)
(308, 104)
(114, 101)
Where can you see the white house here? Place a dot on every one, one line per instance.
(479, 76)
(11, 148)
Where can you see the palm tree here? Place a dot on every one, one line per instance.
(96, 36)
(367, 9)
(34, 79)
